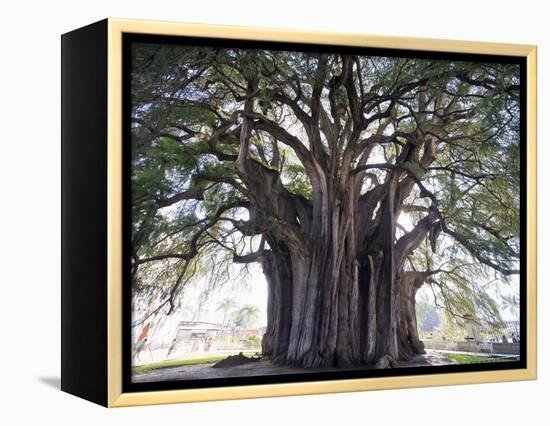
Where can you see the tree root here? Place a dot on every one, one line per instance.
(385, 362)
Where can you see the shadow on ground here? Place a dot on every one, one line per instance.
(53, 382)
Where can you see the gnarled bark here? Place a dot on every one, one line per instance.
(409, 345)
(276, 265)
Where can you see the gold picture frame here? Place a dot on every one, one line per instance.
(115, 397)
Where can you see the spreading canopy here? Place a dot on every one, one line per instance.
(238, 154)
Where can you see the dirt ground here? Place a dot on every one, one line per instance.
(261, 368)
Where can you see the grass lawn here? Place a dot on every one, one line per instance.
(184, 361)
(471, 359)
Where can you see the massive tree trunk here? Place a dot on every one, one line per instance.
(332, 304)
(325, 315)
(325, 311)
(364, 317)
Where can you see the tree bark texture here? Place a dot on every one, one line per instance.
(340, 300)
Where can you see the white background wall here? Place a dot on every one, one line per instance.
(30, 200)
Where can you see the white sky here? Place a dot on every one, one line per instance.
(254, 292)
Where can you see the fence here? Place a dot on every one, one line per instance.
(471, 346)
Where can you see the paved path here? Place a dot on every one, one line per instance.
(263, 368)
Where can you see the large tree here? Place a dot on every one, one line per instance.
(336, 173)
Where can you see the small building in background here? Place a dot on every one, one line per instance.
(189, 331)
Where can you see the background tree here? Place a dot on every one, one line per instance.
(336, 173)
(511, 303)
(247, 315)
(225, 306)
(427, 316)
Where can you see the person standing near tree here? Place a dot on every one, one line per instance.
(172, 347)
(207, 344)
(140, 345)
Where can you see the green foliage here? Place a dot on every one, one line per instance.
(415, 168)
(254, 341)
(297, 180)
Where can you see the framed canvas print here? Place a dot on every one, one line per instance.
(254, 212)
